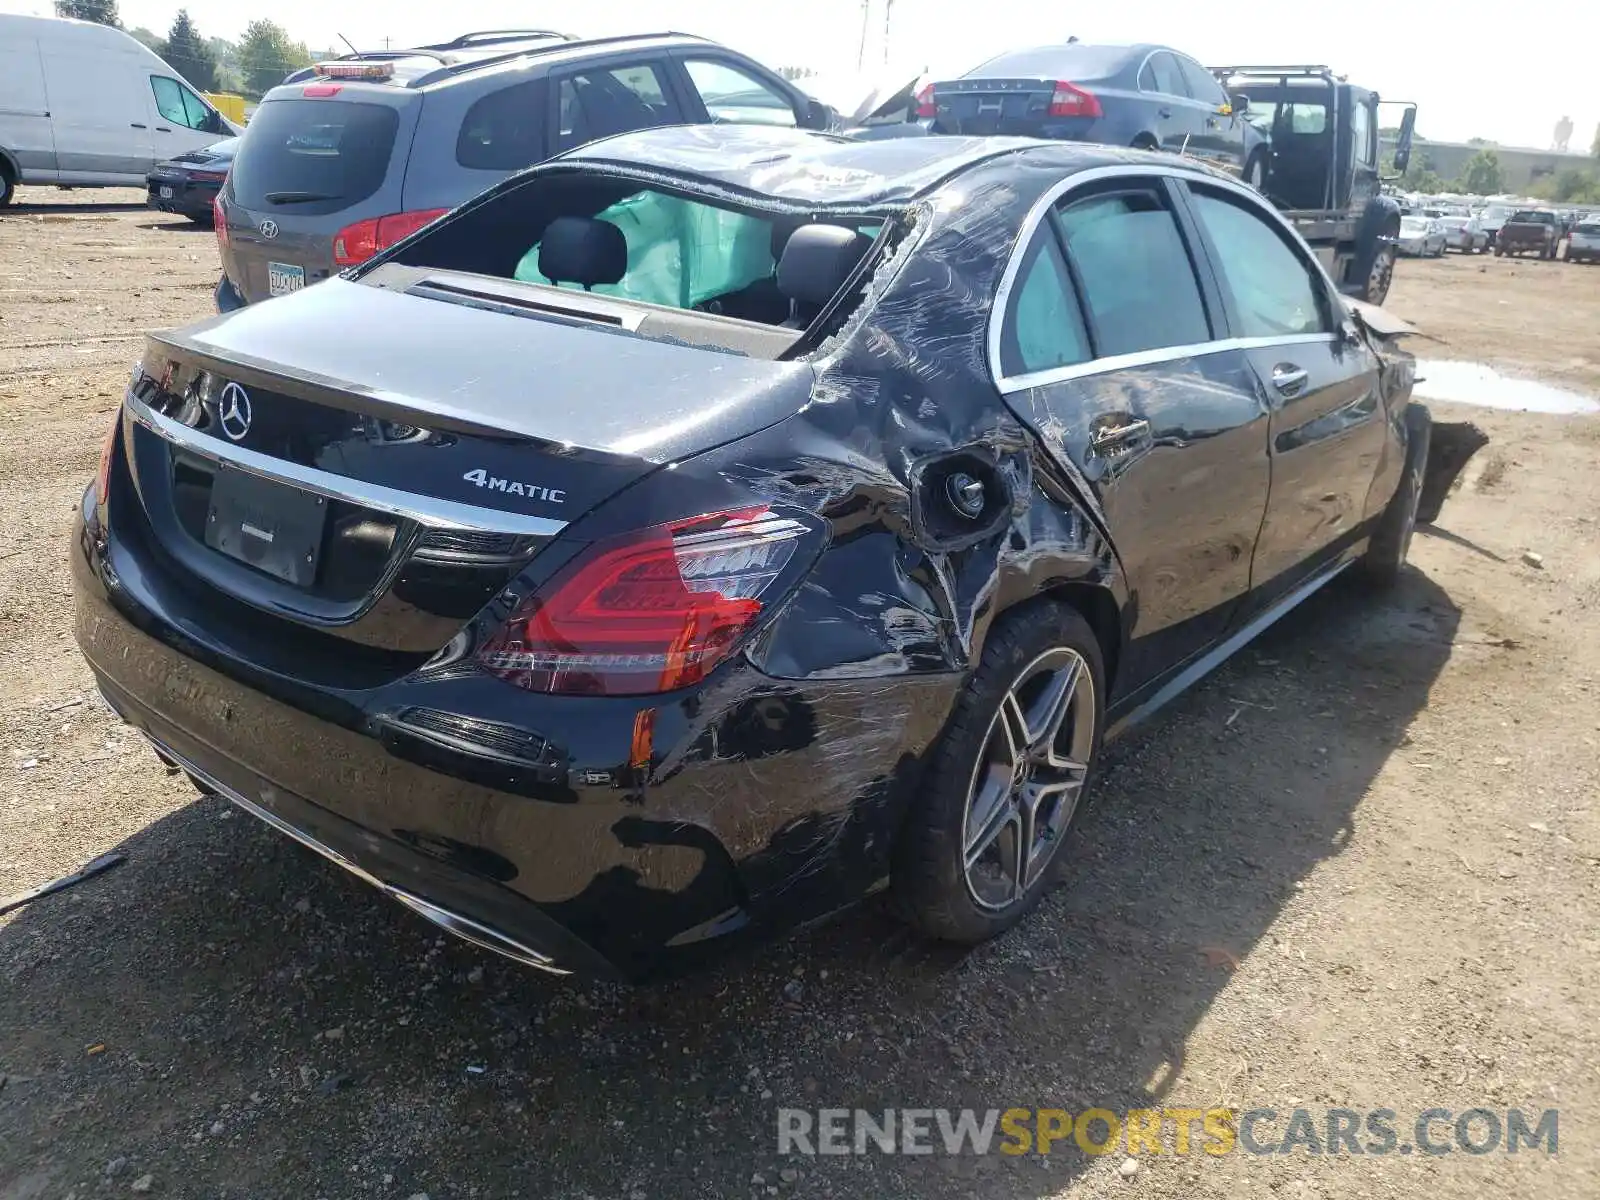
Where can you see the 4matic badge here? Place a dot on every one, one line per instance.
(512, 487)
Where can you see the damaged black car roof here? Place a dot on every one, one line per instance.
(814, 168)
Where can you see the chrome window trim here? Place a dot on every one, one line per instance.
(1039, 213)
(428, 511)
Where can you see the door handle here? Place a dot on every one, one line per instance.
(1164, 113)
(136, 125)
(163, 129)
(1289, 379)
(1109, 438)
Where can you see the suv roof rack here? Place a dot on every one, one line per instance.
(476, 64)
(488, 37)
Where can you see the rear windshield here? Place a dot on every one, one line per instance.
(309, 157)
(652, 246)
(1589, 227)
(1527, 216)
(1055, 62)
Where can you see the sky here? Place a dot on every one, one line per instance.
(1443, 54)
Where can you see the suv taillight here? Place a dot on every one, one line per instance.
(927, 104)
(1070, 100)
(219, 221)
(649, 611)
(356, 243)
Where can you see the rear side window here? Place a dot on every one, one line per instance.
(736, 97)
(1138, 282)
(504, 131)
(604, 102)
(1274, 291)
(1043, 327)
(1588, 228)
(309, 157)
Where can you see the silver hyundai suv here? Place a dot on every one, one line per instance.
(349, 156)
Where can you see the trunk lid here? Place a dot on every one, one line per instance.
(307, 168)
(985, 107)
(378, 463)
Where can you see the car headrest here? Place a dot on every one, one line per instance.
(584, 251)
(816, 261)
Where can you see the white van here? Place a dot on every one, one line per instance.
(85, 105)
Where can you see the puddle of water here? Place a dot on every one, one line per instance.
(1476, 383)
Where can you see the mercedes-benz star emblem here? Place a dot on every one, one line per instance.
(233, 411)
(269, 229)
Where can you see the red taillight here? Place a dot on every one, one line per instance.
(102, 479)
(356, 243)
(321, 89)
(927, 105)
(1070, 100)
(208, 176)
(649, 612)
(219, 221)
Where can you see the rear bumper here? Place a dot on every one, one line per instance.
(753, 804)
(186, 199)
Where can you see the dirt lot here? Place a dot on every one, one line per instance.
(1357, 867)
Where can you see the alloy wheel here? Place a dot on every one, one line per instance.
(1029, 778)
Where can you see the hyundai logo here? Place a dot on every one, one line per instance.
(233, 412)
(269, 229)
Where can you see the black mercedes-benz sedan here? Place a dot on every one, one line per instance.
(695, 533)
(188, 184)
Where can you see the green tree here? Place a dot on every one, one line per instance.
(103, 12)
(1570, 186)
(266, 55)
(150, 38)
(189, 54)
(1482, 175)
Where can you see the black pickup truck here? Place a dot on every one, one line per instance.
(1323, 171)
(1533, 230)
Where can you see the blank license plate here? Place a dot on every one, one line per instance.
(166, 193)
(284, 277)
(273, 528)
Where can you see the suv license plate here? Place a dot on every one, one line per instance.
(283, 278)
(166, 193)
(273, 527)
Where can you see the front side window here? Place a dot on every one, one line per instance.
(1275, 293)
(1202, 84)
(607, 101)
(1361, 135)
(1138, 281)
(179, 105)
(732, 96)
(1168, 75)
(1043, 327)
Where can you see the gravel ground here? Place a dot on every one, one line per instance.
(1357, 867)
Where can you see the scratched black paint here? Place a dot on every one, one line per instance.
(775, 791)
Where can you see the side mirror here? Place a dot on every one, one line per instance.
(1402, 142)
(1240, 103)
(822, 116)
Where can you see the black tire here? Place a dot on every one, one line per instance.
(1256, 166)
(8, 185)
(1499, 251)
(1375, 273)
(933, 887)
(1391, 538)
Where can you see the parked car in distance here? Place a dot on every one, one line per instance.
(1463, 232)
(1493, 217)
(188, 184)
(1146, 96)
(87, 105)
(521, 572)
(1421, 236)
(1529, 230)
(1583, 244)
(351, 155)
